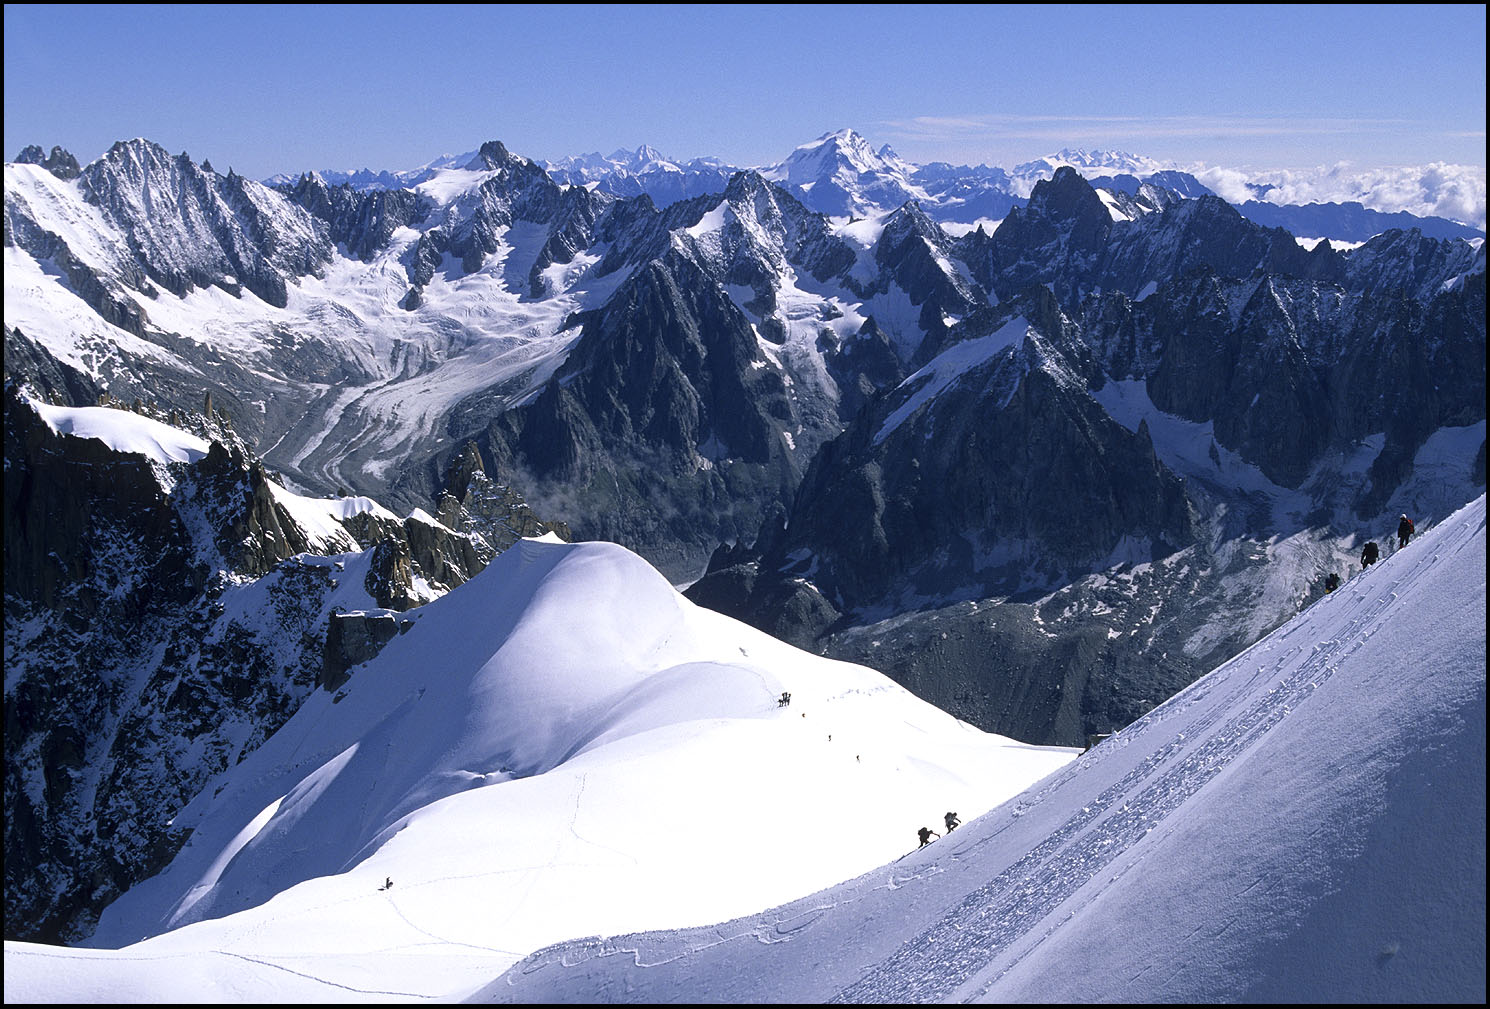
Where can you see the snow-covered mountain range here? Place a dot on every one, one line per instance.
(354, 336)
(564, 746)
(841, 172)
(1044, 474)
(665, 378)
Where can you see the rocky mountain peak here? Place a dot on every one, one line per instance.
(645, 155)
(190, 228)
(493, 154)
(911, 221)
(746, 185)
(1066, 196)
(60, 163)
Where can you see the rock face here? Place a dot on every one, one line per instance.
(491, 515)
(1287, 369)
(1068, 239)
(989, 472)
(363, 222)
(109, 589)
(355, 638)
(658, 403)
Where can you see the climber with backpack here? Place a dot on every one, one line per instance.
(926, 834)
(1405, 530)
(1369, 554)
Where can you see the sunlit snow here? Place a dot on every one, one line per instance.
(563, 745)
(1304, 824)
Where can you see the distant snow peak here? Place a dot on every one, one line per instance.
(839, 149)
(1085, 161)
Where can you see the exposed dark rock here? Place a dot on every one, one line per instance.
(30, 364)
(123, 664)
(189, 228)
(1026, 483)
(390, 577)
(60, 163)
(659, 422)
(362, 222)
(355, 638)
(492, 514)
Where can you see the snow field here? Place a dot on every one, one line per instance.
(563, 746)
(1305, 823)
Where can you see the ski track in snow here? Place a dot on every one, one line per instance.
(983, 927)
(321, 980)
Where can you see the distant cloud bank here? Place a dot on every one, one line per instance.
(1435, 190)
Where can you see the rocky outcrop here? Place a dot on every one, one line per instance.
(361, 221)
(355, 638)
(61, 553)
(253, 532)
(492, 514)
(30, 364)
(914, 254)
(1055, 239)
(1067, 239)
(59, 162)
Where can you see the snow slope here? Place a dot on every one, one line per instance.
(123, 431)
(562, 746)
(1306, 823)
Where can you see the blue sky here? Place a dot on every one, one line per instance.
(271, 89)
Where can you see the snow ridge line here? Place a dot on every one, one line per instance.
(998, 914)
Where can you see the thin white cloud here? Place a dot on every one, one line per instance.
(1436, 189)
(1099, 128)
